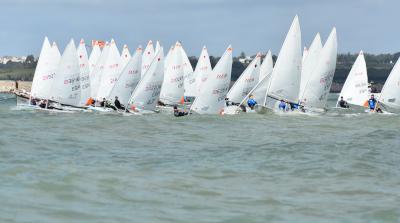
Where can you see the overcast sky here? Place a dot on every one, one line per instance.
(249, 25)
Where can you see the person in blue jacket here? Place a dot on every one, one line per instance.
(373, 105)
(251, 102)
(282, 105)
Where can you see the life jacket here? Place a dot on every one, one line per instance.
(372, 103)
(282, 105)
(251, 102)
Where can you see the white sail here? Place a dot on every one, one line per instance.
(128, 78)
(310, 62)
(158, 47)
(285, 80)
(67, 87)
(305, 53)
(246, 82)
(202, 70)
(125, 57)
(190, 84)
(355, 89)
(147, 92)
(95, 75)
(266, 67)
(84, 71)
(172, 88)
(110, 73)
(211, 99)
(147, 58)
(45, 71)
(94, 56)
(317, 89)
(56, 52)
(167, 57)
(390, 94)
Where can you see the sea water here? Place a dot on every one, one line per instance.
(88, 167)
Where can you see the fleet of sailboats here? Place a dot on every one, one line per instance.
(146, 81)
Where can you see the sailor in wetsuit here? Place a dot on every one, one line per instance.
(373, 105)
(117, 103)
(178, 113)
(343, 103)
(251, 102)
(282, 105)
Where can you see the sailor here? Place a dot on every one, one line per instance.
(293, 106)
(42, 103)
(251, 102)
(343, 103)
(117, 103)
(282, 105)
(33, 101)
(90, 101)
(103, 103)
(227, 102)
(374, 105)
(178, 113)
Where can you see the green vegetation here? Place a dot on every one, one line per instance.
(18, 71)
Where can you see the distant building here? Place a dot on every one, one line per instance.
(245, 60)
(15, 59)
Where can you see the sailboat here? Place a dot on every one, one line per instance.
(355, 89)
(84, 72)
(318, 86)
(246, 82)
(147, 58)
(158, 47)
(285, 78)
(110, 73)
(128, 78)
(310, 61)
(202, 70)
(43, 78)
(172, 88)
(211, 99)
(95, 75)
(390, 94)
(125, 57)
(147, 93)
(66, 88)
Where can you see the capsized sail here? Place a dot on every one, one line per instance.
(84, 69)
(202, 70)
(110, 73)
(147, 92)
(390, 94)
(246, 82)
(148, 56)
(172, 88)
(46, 67)
(128, 78)
(66, 88)
(310, 62)
(317, 89)
(355, 89)
(211, 99)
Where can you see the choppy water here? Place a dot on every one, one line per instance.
(158, 168)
